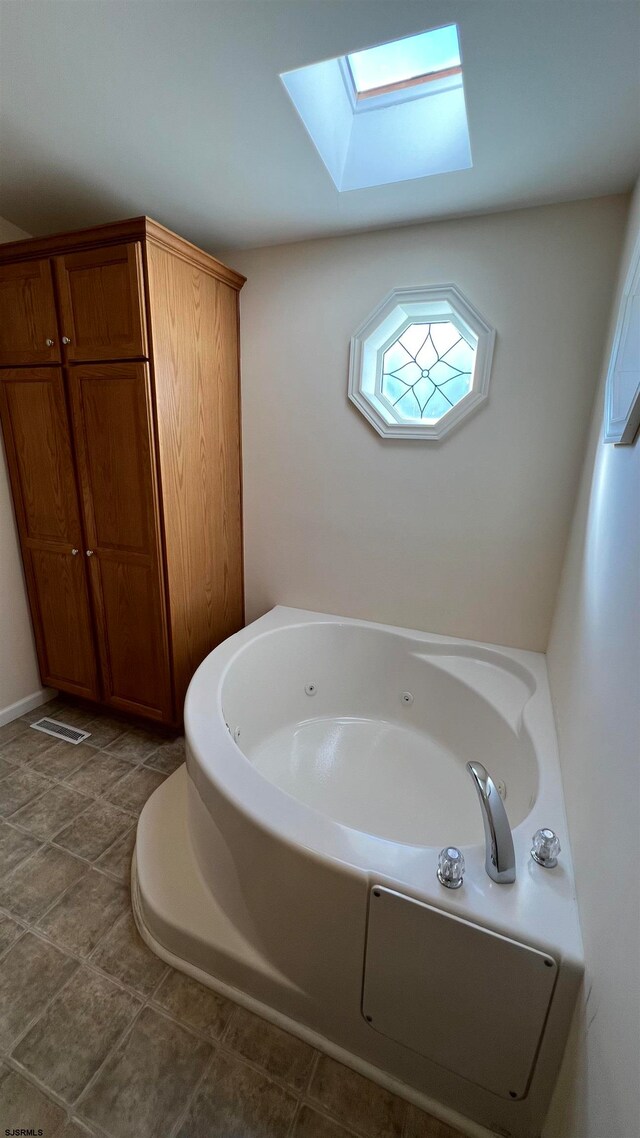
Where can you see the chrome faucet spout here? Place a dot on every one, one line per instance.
(500, 858)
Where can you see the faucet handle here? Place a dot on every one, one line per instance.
(545, 849)
(450, 867)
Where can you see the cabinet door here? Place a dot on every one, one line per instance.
(102, 303)
(28, 323)
(114, 447)
(38, 445)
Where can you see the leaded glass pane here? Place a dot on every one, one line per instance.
(409, 373)
(413, 338)
(397, 356)
(442, 371)
(408, 406)
(427, 356)
(455, 389)
(393, 389)
(438, 406)
(460, 356)
(427, 370)
(444, 336)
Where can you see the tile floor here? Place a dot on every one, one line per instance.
(97, 1035)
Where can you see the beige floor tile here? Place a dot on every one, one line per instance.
(356, 1102)
(123, 954)
(30, 974)
(73, 1129)
(234, 1100)
(73, 1037)
(25, 746)
(24, 1109)
(280, 1054)
(148, 1077)
(100, 773)
(11, 730)
(421, 1125)
(6, 767)
(117, 859)
(94, 831)
(145, 1084)
(194, 1004)
(51, 811)
(104, 731)
(135, 745)
(311, 1124)
(14, 848)
(168, 757)
(61, 760)
(74, 714)
(34, 885)
(18, 788)
(85, 912)
(132, 792)
(10, 930)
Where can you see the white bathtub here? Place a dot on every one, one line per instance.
(293, 863)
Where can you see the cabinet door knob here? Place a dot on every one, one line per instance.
(89, 553)
(75, 552)
(50, 343)
(66, 340)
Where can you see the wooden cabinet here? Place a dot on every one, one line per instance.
(114, 449)
(40, 459)
(28, 322)
(101, 294)
(125, 460)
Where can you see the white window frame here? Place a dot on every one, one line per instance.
(401, 308)
(622, 391)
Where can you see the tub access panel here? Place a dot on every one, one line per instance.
(464, 997)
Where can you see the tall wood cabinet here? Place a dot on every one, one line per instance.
(119, 399)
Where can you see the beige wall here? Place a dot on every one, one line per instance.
(465, 536)
(19, 677)
(594, 666)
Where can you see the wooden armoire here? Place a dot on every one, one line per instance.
(119, 397)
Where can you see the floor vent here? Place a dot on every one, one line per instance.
(61, 730)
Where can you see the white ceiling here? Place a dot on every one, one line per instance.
(175, 109)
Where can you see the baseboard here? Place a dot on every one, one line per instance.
(29, 703)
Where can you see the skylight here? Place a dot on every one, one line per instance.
(387, 113)
(412, 60)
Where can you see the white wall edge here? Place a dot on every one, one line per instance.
(29, 703)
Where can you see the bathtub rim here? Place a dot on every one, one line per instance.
(434, 648)
(540, 908)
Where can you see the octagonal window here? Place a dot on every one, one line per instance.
(426, 371)
(421, 363)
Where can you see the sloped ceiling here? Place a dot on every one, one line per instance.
(176, 109)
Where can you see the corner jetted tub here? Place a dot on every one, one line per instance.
(291, 864)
